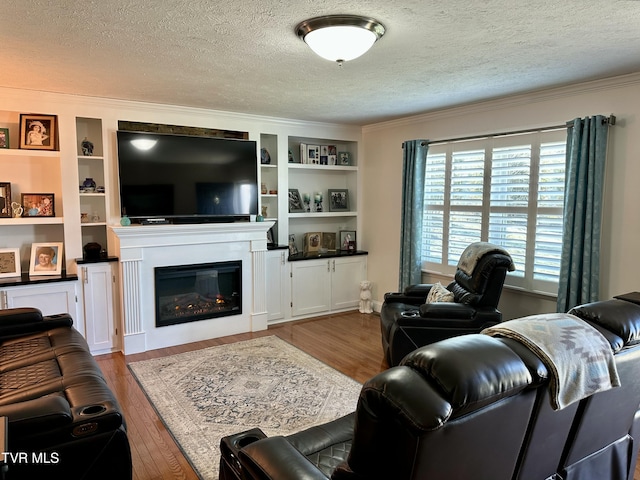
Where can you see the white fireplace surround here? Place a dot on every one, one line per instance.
(141, 248)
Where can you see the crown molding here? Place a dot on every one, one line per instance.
(528, 98)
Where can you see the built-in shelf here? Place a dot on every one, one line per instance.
(32, 221)
(312, 215)
(17, 152)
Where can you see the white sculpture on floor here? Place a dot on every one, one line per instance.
(365, 297)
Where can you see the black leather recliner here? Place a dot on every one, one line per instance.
(472, 407)
(61, 414)
(407, 322)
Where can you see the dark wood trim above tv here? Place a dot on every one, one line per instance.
(180, 130)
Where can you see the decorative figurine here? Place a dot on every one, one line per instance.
(265, 158)
(17, 209)
(87, 147)
(365, 297)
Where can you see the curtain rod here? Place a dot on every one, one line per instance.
(610, 120)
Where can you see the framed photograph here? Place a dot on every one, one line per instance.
(312, 242)
(293, 250)
(313, 154)
(339, 200)
(38, 205)
(9, 262)
(329, 241)
(46, 259)
(344, 158)
(4, 138)
(38, 132)
(347, 240)
(295, 201)
(5, 199)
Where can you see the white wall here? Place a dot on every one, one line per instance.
(382, 174)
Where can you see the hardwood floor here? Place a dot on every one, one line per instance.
(348, 342)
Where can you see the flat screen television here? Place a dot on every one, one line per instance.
(185, 179)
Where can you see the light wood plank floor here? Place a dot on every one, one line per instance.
(348, 342)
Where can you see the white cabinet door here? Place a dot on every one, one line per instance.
(346, 275)
(310, 287)
(277, 281)
(97, 286)
(50, 298)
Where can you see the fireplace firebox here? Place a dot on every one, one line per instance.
(188, 293)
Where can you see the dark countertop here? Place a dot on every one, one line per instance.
(334, 254)
(24, 279)
(81, 261)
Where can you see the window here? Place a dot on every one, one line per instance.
(507, 190)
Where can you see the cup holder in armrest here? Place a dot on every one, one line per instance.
(93, 410)
(231, 445)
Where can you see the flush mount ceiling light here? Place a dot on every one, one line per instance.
(340, 38)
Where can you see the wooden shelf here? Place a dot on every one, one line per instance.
(32, 221)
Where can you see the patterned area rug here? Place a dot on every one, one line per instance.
(208, 394)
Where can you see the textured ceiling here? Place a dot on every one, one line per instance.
(243, 56)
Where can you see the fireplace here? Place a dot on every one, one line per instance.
(188, 293)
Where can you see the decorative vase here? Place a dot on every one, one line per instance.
(125, 221)
(89, 185)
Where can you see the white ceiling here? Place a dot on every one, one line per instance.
(243, 56)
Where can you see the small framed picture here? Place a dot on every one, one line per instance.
(312, 242)
(329, 241)
(4, 138)
(338, 200)
(9, 262)
(38, 132)
(313, 154)
(344, 158)
(295, 201)
(46, 259)
(5, 200)
(347, 240)
(38, 205)
(293, 249)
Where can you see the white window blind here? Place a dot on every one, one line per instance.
(507, 190)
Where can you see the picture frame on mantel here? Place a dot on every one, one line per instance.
(10, 262)
(38, 132)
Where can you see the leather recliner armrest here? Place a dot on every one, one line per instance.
(17, 316)
(43, 413)
(275, 458)
(458, 311)
(23, 321)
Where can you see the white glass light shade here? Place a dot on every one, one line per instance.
(340, 37)
(340, 42)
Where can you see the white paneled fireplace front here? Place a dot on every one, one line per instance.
(144, 248)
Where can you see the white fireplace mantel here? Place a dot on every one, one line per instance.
(142, 248)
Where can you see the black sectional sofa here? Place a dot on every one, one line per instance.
(62, 419)
(471, 407)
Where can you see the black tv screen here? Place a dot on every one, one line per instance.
(185, 178)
